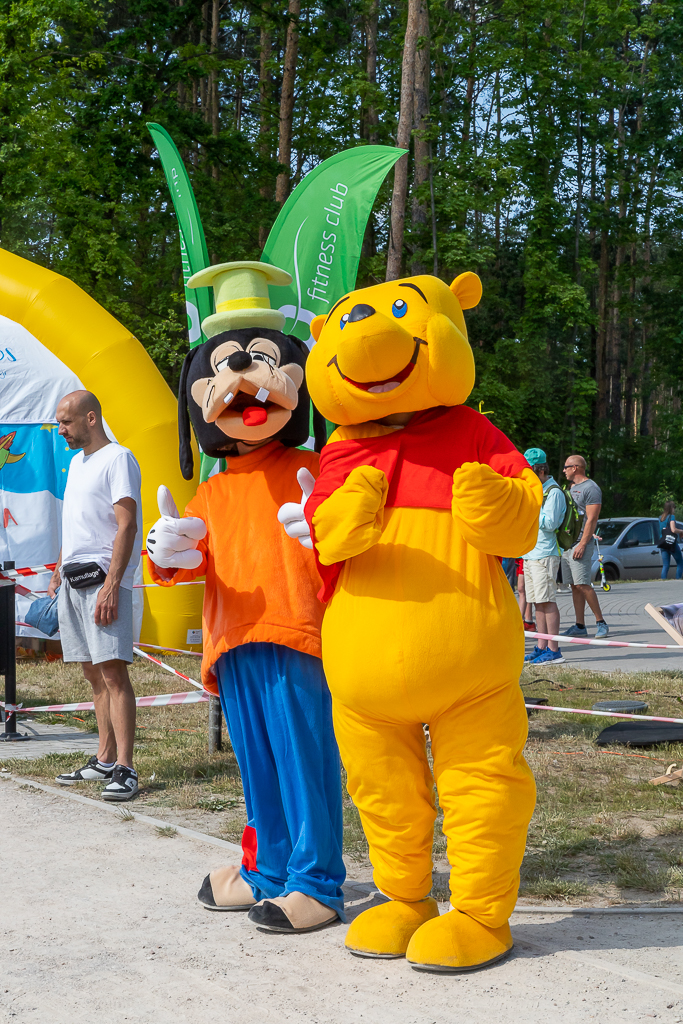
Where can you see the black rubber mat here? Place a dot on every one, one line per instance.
(641, 734)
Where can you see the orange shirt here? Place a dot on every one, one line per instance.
(261, 585)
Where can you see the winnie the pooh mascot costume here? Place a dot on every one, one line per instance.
(418, 498)
(247, 400)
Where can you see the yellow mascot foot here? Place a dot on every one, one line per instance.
(385, 931)
(455, 942)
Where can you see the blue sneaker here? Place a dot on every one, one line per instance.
(602, 630)
(575, 631)
(546, 656)
(533, 654)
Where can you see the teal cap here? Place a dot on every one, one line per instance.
(534, 456)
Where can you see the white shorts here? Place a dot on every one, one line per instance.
(81, 639)
(540, 579)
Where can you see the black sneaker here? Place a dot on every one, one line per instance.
(90, 772)
(123, 785)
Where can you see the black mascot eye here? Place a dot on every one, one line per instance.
(264, 357)
(222, 364)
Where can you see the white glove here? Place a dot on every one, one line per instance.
(291, 515)
(172, 541)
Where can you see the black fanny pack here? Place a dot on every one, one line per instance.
(86, 574)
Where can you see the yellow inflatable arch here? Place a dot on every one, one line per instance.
(138, 406)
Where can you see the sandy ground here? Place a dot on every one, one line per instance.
(100, 923)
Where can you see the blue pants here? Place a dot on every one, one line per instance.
(279, 715)
(666, 561)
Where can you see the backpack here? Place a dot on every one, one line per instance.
(570, 527)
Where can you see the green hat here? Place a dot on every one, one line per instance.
(535, 456)
(241, 296)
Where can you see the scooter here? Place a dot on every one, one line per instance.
(605, 585)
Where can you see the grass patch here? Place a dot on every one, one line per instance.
(166, 831)
(125, 815)
(670, 827)
(555, 888)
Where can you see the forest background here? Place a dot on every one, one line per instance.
(546, 154)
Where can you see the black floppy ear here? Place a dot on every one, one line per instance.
(301, 345)
(184, 429)
(319, 430)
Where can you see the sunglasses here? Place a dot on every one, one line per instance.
(570, 466)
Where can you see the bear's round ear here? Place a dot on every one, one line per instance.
(467, 290)
(317, 325)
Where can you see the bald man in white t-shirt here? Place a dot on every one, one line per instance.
(101, 546)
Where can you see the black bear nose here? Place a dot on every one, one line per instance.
(239, 361)
(360, 312)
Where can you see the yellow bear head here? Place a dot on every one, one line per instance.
(395, 347)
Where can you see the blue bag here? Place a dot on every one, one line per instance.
(42, 614)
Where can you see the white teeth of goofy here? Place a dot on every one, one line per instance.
(262, 395)
(229, 397)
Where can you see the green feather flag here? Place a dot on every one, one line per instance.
(319, 233)
(193, 252)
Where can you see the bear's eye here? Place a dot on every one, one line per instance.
(343, 321)
(222, 364)
(264, 357)
(399, 308)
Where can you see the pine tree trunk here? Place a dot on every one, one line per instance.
(284, 155)
(204, 81)
(405, 125)
(372, 116)
(213, 79)
(421, 121)
(265, 51)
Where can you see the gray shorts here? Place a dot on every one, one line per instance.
(81, 639)
(577, 570)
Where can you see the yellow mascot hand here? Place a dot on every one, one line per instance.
(497, 514)
(350, 521)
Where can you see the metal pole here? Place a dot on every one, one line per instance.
(215, 721)
(8, 660)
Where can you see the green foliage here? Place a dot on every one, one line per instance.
(555, 134)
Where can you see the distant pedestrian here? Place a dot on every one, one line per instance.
(543, 561)
(668, 540)
(577, 560)
(101, 542)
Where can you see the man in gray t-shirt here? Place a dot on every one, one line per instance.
(577, 561)
(584, 493)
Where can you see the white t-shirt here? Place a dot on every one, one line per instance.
(95, 482)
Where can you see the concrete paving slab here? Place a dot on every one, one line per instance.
(48, 739)
(623, 608)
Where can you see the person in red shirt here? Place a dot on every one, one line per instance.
(248, 403)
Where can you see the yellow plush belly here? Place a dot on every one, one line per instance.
(420, 621)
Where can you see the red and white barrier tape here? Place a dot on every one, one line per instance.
(154, 701)
(187, 583)
(29, 570)
(174, 671)
(604, 714)
(602, 643)
(176, 650)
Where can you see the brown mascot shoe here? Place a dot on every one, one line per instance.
(384, 932)
(456, 943)
(225, 889)
(291, 914)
